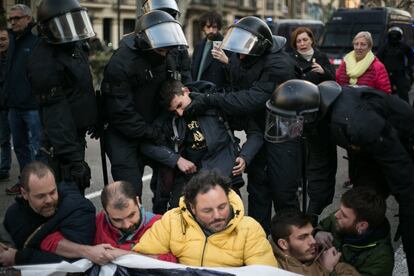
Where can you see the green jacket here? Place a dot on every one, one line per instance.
(371, 254)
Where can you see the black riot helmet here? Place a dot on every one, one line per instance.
(249, 36)
(157, 29)
(395, 34)
(292, 104)
(169, 6)
(63, 21)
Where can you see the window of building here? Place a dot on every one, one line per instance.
(270, 4)
(107, 30)
(197, 36)
(129, 25)
(25, 2)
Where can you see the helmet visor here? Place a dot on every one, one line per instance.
(239, 41)
(165, 35)
(68, 27)
(281, 129)
(159, 5)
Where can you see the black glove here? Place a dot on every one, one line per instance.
(80, 173)
(199, 104)
(95, 132)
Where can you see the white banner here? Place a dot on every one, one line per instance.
(139, 261)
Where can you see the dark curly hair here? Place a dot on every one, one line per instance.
(367, 205)
(282, 223)
(203, 182)
(211, 18)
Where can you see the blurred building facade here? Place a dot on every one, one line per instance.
(105, 14)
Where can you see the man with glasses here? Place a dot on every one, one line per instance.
(17, 95)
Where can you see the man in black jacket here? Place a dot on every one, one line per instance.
(17, 95)
(202, 142)
(49, 224)
(59, 75)
(130, 89)
(204, 65)
(263, 66)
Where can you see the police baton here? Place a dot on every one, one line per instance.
(100, 130)
(304, 177)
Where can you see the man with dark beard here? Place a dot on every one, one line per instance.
(205, 65)
(124, 220)
(360, 231)
(209, 228)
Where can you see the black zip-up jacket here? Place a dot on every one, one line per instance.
(221, 152)
(74, 219)
(62, 82)
(17, 90)
(130, 87)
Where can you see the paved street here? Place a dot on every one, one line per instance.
(93, 158)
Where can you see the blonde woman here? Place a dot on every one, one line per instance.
(361, 67)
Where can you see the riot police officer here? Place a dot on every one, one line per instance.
(398, 59)
(263, 65)
(178, 60)
(378, 128)
(178, 68)
(130, 91)
(58, 71)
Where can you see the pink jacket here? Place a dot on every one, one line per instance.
(376, 76)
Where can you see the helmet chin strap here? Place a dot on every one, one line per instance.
(248, 61)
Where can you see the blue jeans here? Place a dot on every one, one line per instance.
(26, 129)
(5, 147)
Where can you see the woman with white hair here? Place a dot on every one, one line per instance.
(361, 67)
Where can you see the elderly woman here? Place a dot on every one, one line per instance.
(361, 66)
(311, 64)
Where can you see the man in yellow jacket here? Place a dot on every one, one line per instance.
(209, 228)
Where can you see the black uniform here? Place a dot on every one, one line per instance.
(379, 129)
(62, 83)
(253, 81)
(130, 90)
(321, 182)
(398, 59)
(179, 64)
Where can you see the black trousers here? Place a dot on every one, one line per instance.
(126, 161)
(321, 169)
(273, 179)
(400, 84)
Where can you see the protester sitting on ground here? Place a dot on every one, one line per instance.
(209, 228)
(297, 251)
(124, 220)
(360, 231)
(205, 141)
(49, 223)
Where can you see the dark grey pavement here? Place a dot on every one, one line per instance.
(93, 158)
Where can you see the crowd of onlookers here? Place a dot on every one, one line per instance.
(162, 109)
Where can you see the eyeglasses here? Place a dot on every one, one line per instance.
(16, 18)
